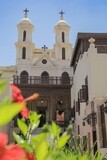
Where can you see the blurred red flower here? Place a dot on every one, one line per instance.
(13, 151)
(18, 97)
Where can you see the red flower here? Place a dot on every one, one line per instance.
(25, 113)
(31, 156)
(12, 152)
(18, 97)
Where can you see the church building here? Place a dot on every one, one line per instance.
(45, 71)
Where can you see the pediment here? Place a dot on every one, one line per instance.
(44, 60)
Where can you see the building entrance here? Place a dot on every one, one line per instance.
(43, 116)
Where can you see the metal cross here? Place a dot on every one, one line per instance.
(61, 13)
(26, 12)
(44, 47)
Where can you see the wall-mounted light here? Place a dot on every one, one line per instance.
(72, 119)
(41, 101)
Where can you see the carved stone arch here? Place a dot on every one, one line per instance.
(24, 77)
(65, 78)
(45, 77)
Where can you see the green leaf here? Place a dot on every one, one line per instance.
(22, 126)
(2, 86)
(8, 111)
(27, 146)
(18, 138)
(42, 151)
(34, 120)
(62, 141)
(55, 129)
(36, 140)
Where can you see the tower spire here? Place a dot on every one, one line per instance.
(61, 13)
(26, 13)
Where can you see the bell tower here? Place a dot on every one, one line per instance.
(62, 45)
(24, 45)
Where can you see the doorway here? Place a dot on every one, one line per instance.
(43, 117)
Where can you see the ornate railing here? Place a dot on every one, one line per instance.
(42, 80)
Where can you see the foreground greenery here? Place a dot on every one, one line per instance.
(51, 144)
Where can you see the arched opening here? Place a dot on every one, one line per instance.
(24, 77)
(24, 36)
(23, 53)
(63, 53)
(63, 37)
(65, 78)
(45, 77)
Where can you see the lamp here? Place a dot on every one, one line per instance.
(41, 101)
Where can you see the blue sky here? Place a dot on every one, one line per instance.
(82, 16)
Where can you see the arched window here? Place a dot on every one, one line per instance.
(63, 53)
(63, 37)
(65, 78)
(24, 36)
(23, 53)
(45, 77)
(24, 77)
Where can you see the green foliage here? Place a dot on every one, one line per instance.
(22, 126)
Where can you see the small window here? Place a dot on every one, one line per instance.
(24, 36)
(63, 37)
(23, 53)
(63, 53)
(44, 61)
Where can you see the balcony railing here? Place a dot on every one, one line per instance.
(38, 80)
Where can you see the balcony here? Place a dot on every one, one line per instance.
(44, 80)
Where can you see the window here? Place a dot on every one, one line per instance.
(63, 53)
(45, 77)
(24, 77)
(24, 36)
(23, 53)
(63, 37)
(65, 78)
(78, 130)
(44, 61)
(83, 94)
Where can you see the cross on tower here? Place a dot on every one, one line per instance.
(26, 13)
(44, 47)
(61, 13)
